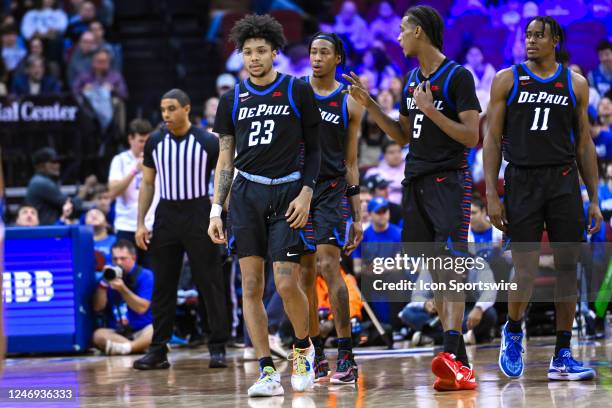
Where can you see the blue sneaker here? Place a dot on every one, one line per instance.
(511, 353)
(563, 367)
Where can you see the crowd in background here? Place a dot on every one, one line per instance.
(52, 46)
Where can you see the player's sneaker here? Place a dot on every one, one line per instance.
(511, 353)
(563, 367)
(268, 384)
(451, 374)
(346, 369)
(302, 377)
(321, 365)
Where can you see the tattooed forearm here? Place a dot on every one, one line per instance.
(226, 142)
(224, 184)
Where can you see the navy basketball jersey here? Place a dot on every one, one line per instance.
(432, 150)
(268, 128)
(540, 119)
(332, 132)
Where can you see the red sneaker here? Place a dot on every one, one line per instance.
(448, 372)
(468, 378)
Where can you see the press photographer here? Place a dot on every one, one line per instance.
(125, 291)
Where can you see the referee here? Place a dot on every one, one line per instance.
(183, 157)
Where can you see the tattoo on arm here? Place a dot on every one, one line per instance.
(225, 183)
(226, 142)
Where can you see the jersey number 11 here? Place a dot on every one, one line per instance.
(535, 124)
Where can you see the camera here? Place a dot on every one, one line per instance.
(110, 272)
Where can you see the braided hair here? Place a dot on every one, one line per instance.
(556, 31)
(430, 21)
(258, 26)
(335, 40)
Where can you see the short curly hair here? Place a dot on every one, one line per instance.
(258, 26)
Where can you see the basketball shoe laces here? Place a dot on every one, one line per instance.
(298, 356)
(569, 361)
(266, 375)
(515, 348)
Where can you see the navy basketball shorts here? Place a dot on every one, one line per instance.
(329, 212)
(437, 209)
(257, 225)
(543, 197)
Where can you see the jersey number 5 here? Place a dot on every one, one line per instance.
(416, 127)
(254, 136)
(535, 123)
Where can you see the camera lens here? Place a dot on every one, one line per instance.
(109, 274)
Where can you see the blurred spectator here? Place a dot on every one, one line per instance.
(380, 229)
(351, 26)
(396, 88)
(80, 61)
(391, 168)
(467, 6)
(364, 198)
(99, 33)
(105, 89)
(104, 202)
(376, 65)
(36, 48)
(379, 187)
(601, 77)
(386, 25)
(27, 216)
(12, 52)
(130, 332)
(124, 180)
(225, 82)
(594, 96)
(103, 241)
(601, 131)
(45, 21)
(44, 192)
(35, 81)
(3, 77)
(299, 61)
(79, 23)
(483, 74)
(210, 110)
(373, 136)
(481, 230)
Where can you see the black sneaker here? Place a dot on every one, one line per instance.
(153, 360)
(217, 360)
(321, 366)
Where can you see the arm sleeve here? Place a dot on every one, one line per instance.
(147, 159)
(311, 118)
(224, 123)
(463, 91)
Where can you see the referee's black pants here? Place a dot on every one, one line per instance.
(181, 226)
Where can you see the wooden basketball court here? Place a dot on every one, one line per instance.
(387, 379)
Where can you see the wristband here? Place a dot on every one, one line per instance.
(216, 210)
(353, 190)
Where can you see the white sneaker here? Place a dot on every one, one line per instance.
(276, 346)
(469, 338)
(115, 348)
(303, 375)
(249, 354)
(268, 384)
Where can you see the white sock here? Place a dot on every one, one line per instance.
(120, 348)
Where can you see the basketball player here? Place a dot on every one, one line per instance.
(263, 120)
(338, 181)
(540, 108)
(439, 118)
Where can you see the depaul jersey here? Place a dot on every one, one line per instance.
(332, 132)
(267, 123)
(540, 119)
(432, 150)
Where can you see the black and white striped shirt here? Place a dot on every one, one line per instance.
(183, 164)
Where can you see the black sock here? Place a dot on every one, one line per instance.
(451, 341)
(515, 326)
(462, 353)
(266, 362)
(345, 344)
(317, 343)
(563, 340)
(302, 343)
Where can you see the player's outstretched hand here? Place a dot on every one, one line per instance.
(594, 215)
(215, 231)
(354, 238)
(497, 213)
(297, 213)
(143, 238)
(357, 90)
